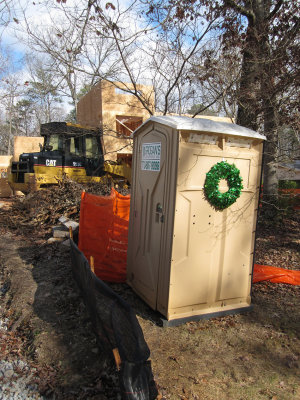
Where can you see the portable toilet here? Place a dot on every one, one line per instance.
(194, 200)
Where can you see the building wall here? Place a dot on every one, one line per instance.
(89, 108)
(118, 102)
(26, 144)
(5, 162)
(288, 172)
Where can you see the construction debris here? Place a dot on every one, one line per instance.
(54, 206)
(70, 224)
(63, 230)
(60, 232)
(55, 240)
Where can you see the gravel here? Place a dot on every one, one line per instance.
(16, 376)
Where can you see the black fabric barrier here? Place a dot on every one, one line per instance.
(116, 326)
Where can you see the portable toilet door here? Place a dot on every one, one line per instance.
(186, 258)
(150, 202)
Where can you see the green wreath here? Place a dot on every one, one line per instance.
(223, 170)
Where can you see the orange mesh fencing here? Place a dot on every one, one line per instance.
(103, 233)
(275, 275)
(293, 196)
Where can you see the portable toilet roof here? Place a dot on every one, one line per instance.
(203, 125)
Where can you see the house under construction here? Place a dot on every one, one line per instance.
(119, 113)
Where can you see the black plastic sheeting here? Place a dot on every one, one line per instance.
(116, 326)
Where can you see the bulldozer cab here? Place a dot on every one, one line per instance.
(73, 146)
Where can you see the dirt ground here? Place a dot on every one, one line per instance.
(245, 356)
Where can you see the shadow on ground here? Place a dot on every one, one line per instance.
(62, 331)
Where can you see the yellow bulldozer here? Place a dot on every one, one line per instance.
(69, 150)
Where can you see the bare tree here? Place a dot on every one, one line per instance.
(154, 50)
(90, 42)
(75, 52)
(6, 12)
(12, 89)
(42, 90)
(269, 72)
(27, 102)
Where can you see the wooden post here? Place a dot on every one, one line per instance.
(92, 265)
(71, 232)
(117, 358)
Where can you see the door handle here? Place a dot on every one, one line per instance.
(159, 217)
(159, 208)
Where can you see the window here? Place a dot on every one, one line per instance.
(126, 125)
(55, 141)
(91, 147)
(76, 147)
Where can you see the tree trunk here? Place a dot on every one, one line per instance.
(248, 89)
(270, 180)
(269, 113)
(256, 92)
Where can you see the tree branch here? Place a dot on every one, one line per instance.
(213, 102)
(275, 9)
(186, 59)
(243, 10)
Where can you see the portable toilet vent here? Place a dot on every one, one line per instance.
(195, 192)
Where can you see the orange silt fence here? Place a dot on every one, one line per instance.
(103, 233)
(275, 275)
